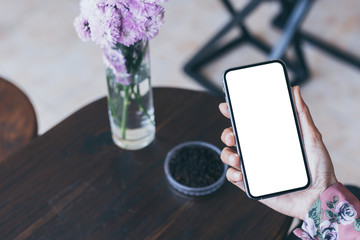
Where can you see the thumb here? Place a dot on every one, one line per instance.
(310, 133)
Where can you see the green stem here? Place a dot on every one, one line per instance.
(133, 55)
(140, 103)
(126, 103)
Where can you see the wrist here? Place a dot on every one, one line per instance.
(317, 189)
(331, 180)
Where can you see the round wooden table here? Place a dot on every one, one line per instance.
(74, 183)
(18, 123)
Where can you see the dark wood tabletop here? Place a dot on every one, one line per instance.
(74, 183)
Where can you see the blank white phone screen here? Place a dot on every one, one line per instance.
(266, 129)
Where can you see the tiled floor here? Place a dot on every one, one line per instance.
(41, 53)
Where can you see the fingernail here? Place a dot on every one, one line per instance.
(229, 137)
(237, 176)
(232, 159)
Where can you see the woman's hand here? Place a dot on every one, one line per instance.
(321, 169)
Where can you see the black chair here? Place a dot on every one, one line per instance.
(289, 19)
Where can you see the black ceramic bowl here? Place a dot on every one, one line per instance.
(212, 170)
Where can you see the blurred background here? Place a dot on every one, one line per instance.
(41, 53)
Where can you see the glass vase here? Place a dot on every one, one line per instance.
(130, 99)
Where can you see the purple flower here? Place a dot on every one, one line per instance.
(329, 231)
(136, 7)
(112, 25)
(156, 1)
(114, 60)
(346, 212)
(155, 19)
(107, 22)
(130, 30)
(82, 28)
(105, 25)
(309, 226)
(151, 30)
(154, 12)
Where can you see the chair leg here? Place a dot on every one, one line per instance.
(290, 29)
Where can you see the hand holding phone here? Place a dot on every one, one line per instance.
(295, 204)
(266, 129)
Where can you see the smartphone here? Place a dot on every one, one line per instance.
(266, 129)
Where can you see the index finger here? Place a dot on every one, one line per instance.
(224, 109)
